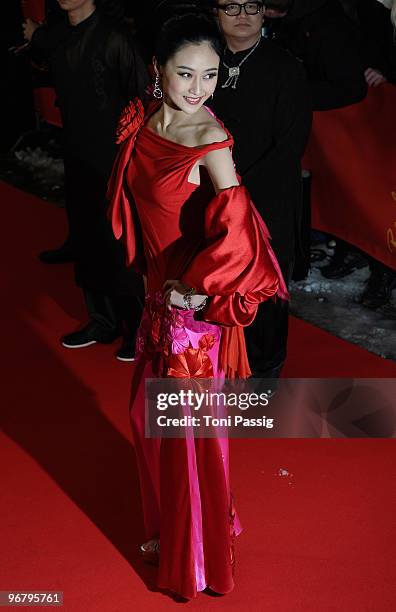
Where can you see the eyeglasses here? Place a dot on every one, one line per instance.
(234, 9)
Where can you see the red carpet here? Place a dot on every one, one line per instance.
(320, 539)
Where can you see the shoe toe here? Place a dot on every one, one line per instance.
(71, 342)
(90, 334)
(126, 354)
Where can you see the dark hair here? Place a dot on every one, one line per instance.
(187, 28)
(280, 5)
(111, 10)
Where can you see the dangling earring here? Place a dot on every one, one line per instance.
(157, 91)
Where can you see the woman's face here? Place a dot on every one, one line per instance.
(189, 77)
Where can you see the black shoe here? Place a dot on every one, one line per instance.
(379, 289)
(57, 256)
(340, 267)
(90, 334)
(126, 351)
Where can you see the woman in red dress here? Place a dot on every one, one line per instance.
(191, 228)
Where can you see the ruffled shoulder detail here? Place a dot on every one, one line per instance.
(120, 214)
(132, 118)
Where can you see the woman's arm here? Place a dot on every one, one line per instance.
(220, 167)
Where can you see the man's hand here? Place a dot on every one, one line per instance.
(374, 77)
(29, 27)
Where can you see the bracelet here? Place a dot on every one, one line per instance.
(201, 305)
(187, 299)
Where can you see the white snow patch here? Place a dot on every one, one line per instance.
(42, 165)
(331, 305)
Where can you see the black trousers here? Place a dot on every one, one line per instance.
(114, 294)
(118, 314)
(266, 338)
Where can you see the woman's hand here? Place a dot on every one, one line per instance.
(174, 292)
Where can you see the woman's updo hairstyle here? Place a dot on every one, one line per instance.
(189, 24)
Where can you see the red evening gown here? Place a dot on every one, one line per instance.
(218, 244)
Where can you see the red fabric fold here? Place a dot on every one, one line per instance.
(237, 267)
(233, 360)
(119, 212)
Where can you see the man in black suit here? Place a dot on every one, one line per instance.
(263, 99)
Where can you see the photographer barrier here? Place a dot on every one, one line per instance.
(351, 154)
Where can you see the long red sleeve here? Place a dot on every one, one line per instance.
(237, 267)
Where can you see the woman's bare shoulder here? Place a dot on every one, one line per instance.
(210, 131)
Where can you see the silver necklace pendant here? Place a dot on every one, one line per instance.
(234, 71)
(233, 74)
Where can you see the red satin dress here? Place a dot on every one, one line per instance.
(174, 229)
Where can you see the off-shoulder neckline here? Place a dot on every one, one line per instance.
(229, 138)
